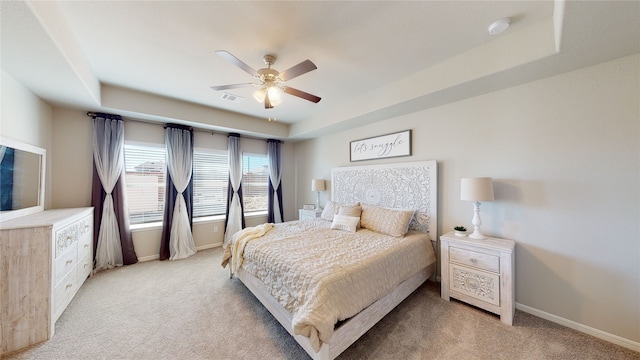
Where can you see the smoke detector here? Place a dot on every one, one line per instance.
(499, 26)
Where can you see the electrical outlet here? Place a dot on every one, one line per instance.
(215, 228)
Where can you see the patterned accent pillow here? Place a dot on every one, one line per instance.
(331, 208)
(394, 222)
(344, 222)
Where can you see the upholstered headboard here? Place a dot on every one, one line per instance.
(410, 185)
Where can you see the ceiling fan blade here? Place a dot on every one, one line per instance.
(297, 70)
(231, 86)
(301, 94)
(237, 62)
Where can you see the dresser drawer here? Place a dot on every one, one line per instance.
(63, 292)
(84, 246)
(65, 263)
(85, 266)
(475, 259)
(475, 283)
(70, 234)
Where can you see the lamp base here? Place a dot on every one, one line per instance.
(476, 222)
(477, 235)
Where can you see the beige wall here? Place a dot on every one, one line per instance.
(26, 118)
(564, 154)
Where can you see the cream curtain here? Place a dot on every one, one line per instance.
(108, 156)
(235, 216)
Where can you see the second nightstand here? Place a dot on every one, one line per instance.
(309, 214)
(479, 272)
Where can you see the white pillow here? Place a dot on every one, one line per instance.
(345, 222)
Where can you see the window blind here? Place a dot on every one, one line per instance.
(145, 169)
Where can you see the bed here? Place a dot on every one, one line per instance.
(329, 280)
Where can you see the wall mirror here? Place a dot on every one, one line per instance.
(22, 177)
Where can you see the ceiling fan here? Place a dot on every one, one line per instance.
(271, 82)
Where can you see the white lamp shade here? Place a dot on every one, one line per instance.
(476, 189)
(317, 185)
(260, 94)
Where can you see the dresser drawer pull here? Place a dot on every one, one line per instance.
(86, 246)
(70, 261)
(474, 260)
(85, 265)
(68, 286)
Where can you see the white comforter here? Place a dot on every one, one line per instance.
(322, 276)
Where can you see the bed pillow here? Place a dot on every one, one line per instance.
(394, 222)
(354, 211)
(345, 222)
(331, 208)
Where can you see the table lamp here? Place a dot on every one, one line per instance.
(317, 185)
(476, 190)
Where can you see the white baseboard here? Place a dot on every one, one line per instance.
(615, 339)
(156, 257)
(148, 258)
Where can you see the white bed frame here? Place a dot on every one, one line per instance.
(400, 185)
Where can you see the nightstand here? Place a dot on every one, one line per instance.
(479, 272)
(309, 214)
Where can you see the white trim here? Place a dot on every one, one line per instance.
(202, 247)
(615, 339)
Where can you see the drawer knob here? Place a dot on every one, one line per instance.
(68, 286)
(70, 261)
(86, 246)
(474, 260)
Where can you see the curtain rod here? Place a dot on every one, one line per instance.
(93, 114)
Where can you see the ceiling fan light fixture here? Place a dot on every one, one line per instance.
(260, 94)
(275, 95)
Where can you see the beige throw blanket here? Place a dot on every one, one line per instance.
(235, 248)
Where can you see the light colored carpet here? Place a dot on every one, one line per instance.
(190, 309)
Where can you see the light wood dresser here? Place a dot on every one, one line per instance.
(44, 259)
(479, 272)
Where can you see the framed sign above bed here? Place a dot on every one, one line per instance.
(381, 147)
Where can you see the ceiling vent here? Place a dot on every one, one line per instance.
(232, 98)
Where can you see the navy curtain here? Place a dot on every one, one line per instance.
(274, 212)
(119, 203)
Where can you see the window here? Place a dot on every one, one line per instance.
(145, 176)
(210, 182)
(255, 182)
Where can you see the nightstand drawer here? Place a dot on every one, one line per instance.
(477, 284)
(309, 214)
(475, 259)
